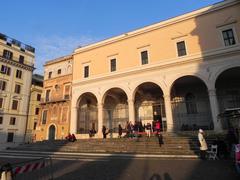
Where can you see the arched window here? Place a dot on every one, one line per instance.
(191, 105)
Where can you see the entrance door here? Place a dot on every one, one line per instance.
(51, 132)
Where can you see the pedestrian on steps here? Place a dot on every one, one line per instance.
(203, 144)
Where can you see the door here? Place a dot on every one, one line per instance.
(51, 132)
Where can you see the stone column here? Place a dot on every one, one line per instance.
(131, 110)
(214, 109)
(74, 117)
(100, 120)
(168, 109)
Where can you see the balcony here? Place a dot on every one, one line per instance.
(50, 100)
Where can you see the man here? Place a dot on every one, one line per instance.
(203, 144)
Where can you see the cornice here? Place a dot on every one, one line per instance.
(17, 64)
(157, 26)
(168, 63)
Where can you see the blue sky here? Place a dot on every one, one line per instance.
(56, 27)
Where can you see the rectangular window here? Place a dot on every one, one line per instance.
(181, 48)
(1, 120)
(113, 65)
(12, 121)
(67, 92)
(144, 57)
(17, 88)
(36, 111)
(14, 105)
(59, 71)
(7, 54)
(1, 103)
(49, 75)
(10, 137)
(86, 71)
(21, 59)
(44, 117)
(48, 95)
(5, 70)
(34, 125)
(18, 74)
(228, 37)
(3, 85)
(38, 97)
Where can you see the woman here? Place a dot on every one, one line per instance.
(203, 144)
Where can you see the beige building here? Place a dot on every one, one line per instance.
(17, 65)
(184, 70)
(34, 107)
(54, 121)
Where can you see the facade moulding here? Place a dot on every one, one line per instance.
(214, 54)
(17, 64)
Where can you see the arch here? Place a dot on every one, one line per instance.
(135, 88)
(190, 103)
(221, 70)
(87, 113)
(115, 87)
(52, 131)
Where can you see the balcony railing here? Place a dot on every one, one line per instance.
(55, 99)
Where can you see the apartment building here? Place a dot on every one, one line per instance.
(54, 121)
(184, 71)
(17, 65)
(34, 107)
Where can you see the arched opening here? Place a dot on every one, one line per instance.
(190, 104)
(115, 109)
(51, 133)
(149, 104)
(87, 113)
(228, 89)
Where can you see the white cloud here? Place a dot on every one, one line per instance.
(48, 48)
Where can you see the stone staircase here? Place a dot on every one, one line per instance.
(173, 145)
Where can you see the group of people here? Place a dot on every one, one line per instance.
(71, 137)
(136, 129)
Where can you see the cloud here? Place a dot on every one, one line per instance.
(48, 48)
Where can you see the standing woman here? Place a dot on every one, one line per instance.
(203, 144)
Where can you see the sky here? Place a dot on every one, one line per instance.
(56, 27)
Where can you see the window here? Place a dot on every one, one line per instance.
(18, 74)
(17, 88)
(44, 117)
(21, 59)
(2, 85)
(49, 75)
(86, 71)
(1, 103)
(36, 111)
(38, 97)
(228, 37)
(181, 48)
(59, 71)
(191, 105)
(7, 54)
(5, 70)
(12, 121)
(67, 92)
(113, 65)
(144, 57)
(34, 125)
(48, 95)
(10, 137)
(1, 120)
(14, 105)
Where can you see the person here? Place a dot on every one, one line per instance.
(92, 132)
(68, 137)
(231, 140)
(148, 129)
(104, 132)
(203, 144)
(120, 131)
(73, 138)
(158, 126)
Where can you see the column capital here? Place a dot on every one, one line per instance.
(100, 105)
(130, 101)
(212, 92)
(167, 96)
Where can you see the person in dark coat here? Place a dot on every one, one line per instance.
(120, 131)
(104, 132)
